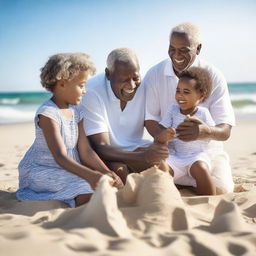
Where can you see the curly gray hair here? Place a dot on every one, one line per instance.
(203, 80)
(192, 31)
(123, 55)
(65, 66)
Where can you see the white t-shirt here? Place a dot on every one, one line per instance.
(102, 113)
(160, 84)
(181, 148)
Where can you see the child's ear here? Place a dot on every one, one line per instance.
(202, 96)
(60, 83)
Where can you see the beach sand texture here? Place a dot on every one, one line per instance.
(147, 217)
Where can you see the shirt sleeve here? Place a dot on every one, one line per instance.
(219, 102)
(153, 110)
(207, 117)
(167, 120)
(94, 114)
(48, 111)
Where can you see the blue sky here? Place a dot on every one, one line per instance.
(32, 30)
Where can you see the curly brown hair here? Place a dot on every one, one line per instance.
(65, 66)
(202, 78)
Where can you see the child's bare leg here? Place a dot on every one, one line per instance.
(204, 183)
(83, 199)
(165, 167)
(120, 169)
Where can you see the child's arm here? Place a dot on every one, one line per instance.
(165, 134)
(90, 158)
(87, 155)
(58, 149)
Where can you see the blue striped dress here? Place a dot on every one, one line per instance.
(40, 177)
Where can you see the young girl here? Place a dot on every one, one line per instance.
(189, 158)
(61, 165)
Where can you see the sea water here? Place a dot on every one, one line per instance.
(20, 107)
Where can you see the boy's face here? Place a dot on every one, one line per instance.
(186, 95)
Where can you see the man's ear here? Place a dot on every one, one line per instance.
(107, 73)
(198, 49)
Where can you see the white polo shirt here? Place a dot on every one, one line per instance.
(102, 113)
(160, 84)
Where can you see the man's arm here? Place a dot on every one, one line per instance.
(193, 129)
(153, 127)
(152, 155)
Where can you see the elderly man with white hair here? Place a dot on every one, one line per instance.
(114, 113)
(160, 84)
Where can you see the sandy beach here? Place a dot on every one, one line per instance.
(147, 217)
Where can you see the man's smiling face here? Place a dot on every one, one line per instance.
(182, 52)
(124, 80)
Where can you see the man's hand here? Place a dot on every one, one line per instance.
(193, 129)
(165, 135)
(155, 153)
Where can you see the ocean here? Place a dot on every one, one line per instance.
(20, 107)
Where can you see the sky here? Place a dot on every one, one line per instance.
(33, 30)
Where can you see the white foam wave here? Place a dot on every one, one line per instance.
(16, 115)
(250, 109)
(243, 97)
(6, 101)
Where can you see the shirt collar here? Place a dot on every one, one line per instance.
(168, 70)
(110, 92)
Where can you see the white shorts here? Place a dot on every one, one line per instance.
(219, 169)
(181, 164)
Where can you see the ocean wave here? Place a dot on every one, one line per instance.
(243, 97)
(250, 109)
(6, 101)
(23, 98)
(10, 114)
(243, 103)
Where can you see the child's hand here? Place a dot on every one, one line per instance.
(164, 136)
(117, 182)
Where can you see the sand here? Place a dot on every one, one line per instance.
(148, 217)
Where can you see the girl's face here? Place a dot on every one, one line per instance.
(186, 95)
(75, 88)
